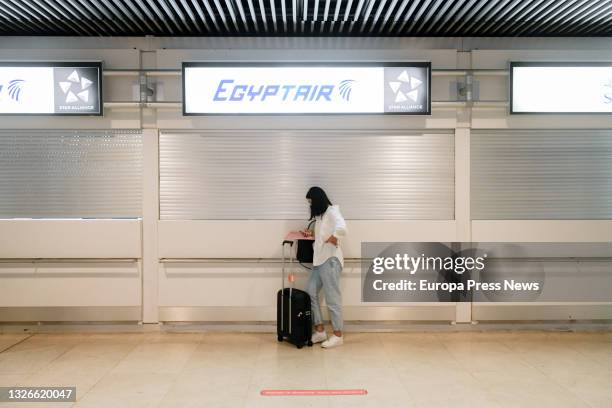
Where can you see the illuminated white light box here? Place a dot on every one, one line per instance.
(51, 88)
(560, 87)
(306, 88)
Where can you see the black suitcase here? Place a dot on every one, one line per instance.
(293, 315)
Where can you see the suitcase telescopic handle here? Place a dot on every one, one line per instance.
(290, 243)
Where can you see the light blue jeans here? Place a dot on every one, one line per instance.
(326, 276)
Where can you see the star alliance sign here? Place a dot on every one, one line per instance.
(75, 88)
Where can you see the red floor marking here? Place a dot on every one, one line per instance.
(274, 393)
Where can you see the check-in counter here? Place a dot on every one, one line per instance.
(70, 270)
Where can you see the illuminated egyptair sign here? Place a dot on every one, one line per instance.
(561, 87)
(51, 88)
(385, 88)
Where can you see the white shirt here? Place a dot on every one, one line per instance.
(326, 225)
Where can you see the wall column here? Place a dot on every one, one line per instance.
(462, 205)
(150, 216)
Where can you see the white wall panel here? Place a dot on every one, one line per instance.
(200, 291)
(70, 239)
(70, 284)
(262, 238)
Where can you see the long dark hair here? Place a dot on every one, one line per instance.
(318, 201)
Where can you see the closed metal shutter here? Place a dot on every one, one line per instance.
(541, 174)
(265, 174)
(70, 174)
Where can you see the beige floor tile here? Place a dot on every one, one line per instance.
(452, 390)
(384, 388)
(486, 356)
(290, 401)
(156, 358)
(598, 351)
(116, 338)
(82, 371)
(431, 375)
(408, 337)
(108, 350)
(37, 404)
(581, 336)
(28, 361)
(8, 380)
(526, 389)
(128, 390)
(204, 388)
(286, 376)
(595, 387)
(203, 357)
(171, 337)
(9, 339)
(489, 369)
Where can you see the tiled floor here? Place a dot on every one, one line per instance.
(490, 369)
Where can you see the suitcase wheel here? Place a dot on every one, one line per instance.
(309, 343)
(299, 346)
(279, 337)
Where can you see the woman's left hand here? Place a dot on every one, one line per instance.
(332, 240)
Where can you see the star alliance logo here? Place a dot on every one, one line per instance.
(406, 87)
(75, 87)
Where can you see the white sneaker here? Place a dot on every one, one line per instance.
(318, 337)
(333, 341)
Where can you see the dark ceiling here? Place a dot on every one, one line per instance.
(452, 18)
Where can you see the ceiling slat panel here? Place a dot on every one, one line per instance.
(192, 17)
(546, 17)
(106, 14)
(15, 19)
(591, 16)
(69, 27)
(518, 18)
(172, 15)
(527, 14)
(449, 18)
(253, 15)
(594, 26)
(26, 13)
(160, 16)
(472, 15)
(566, 16)
(536, 16)
(451, 29)
(579, 15)
(487, 11)
(64, 14)
(229, 5)
(497, 14)
(150, 15)
(516, 13)
(408, 17)
(433, 17)
(416, 17)
(137, 15)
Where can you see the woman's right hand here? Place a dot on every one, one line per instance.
(307, 233)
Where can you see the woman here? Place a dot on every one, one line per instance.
(327, 265)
